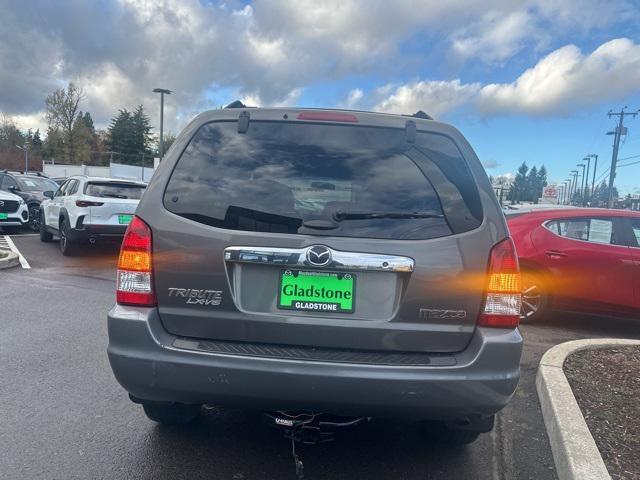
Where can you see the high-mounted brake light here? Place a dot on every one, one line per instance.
(328, 117)
(503, 296)
(135, 272)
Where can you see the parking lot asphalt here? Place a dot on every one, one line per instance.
(64, 416)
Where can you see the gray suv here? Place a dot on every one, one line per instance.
(303, 260)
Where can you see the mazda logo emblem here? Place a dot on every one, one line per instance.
(318, 255)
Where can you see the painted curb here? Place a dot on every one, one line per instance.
(574, 450)
(9, 262)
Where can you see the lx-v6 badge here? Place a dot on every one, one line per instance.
(434, 314)
(194, 296)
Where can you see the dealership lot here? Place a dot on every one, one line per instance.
(64, 415)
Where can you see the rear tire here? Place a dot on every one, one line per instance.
(535, 297)
(171, 414)
(442, 434)
(68, 248)
(34, 217)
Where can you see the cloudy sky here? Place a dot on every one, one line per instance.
(524, 80)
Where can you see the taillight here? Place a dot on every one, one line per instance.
(135, 272)
(503, 296)
(85, 203)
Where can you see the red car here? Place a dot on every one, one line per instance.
(578, 259)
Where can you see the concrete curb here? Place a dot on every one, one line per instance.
(11, 261)
(574, 450)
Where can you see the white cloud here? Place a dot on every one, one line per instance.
(566, 79)
(495, 38)
(563, 81)
(433, 97)
(354, 97)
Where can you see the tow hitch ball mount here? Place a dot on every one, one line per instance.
(310, 429)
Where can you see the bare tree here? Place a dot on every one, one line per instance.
(63, 109)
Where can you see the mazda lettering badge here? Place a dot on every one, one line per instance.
(1, 203)
(318, 255)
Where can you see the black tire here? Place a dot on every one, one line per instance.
(439, 433)
(455, 438)
(535, 296)
(171, 414)
(34, 217)
(68, 248)
(45, 236)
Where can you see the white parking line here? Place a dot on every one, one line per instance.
(12, 247)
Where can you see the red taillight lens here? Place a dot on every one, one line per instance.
(85, 203)
(135, 275)
(503, 296)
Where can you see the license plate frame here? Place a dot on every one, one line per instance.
(318, 280)
(124, 219)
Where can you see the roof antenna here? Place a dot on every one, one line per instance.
(236, 104)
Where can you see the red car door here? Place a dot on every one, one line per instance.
(635, 248)
(591, 271)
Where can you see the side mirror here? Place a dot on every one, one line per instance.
(14, 189)
(48, 193)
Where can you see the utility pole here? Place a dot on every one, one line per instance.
(586, 181)
(619, 131)
(595, 167)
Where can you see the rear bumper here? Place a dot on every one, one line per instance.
(87, 231)
(149, 367)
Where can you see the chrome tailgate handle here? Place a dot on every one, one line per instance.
(319, 256)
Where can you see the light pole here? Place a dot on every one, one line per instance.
(162, 92)
(582, 181)
(595, 167)
(586, 178)
(26, 156)
(567, 187)
(574, 174)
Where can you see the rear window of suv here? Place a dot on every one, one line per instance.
(114, 190)
(304, 178)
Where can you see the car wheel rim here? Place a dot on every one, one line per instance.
(34, 215)
(531, 301)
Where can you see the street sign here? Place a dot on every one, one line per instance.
(550, 194)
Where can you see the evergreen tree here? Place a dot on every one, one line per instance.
(519, 188)
(129, 136)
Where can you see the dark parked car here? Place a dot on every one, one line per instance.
(581, 259)
(245, 280)
(30, 187)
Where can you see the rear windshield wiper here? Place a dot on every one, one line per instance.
(113, 195)
(340, 215)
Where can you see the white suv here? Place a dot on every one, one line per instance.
(85, 208)
(13, 212)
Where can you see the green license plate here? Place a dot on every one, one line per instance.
(4, 216)
(124, 219)
(332, 292)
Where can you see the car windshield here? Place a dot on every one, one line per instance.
(114, 190)
(36, 184)
(295, 178)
